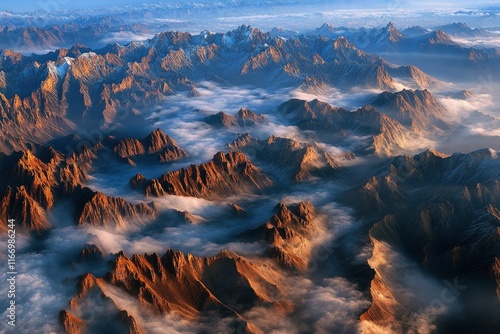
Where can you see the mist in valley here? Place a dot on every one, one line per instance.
(352, 279)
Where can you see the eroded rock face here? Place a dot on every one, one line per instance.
(94, 304)
(35, 179)
(191, 286)
(417, 109)
(225, 286)
(40, 177)
(221, 119)
(296, 161)
(19, 205)
(226, 174)
(91, 252)
(71, 324)
(289, 234)
(421, 80)
(78, 88)
(387, 136)
(246, 117)
(314, 115)
(443, 213)
(102, 210)
(157, 143)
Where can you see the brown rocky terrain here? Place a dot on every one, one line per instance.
(221, 119)
(314, 85)
(416, 109)
(288, 234)
(224, 285)
(91, 252)
(41, 177)
(244, 117)
(410, 224)
(36, 178)
(414, 74)
(226, 174)
(387, 136)
(314, 114)
(295, 160)
(442, 211)
(160, 283)
(79, 88)
(157, 143)
(101, 210)
(93, 303)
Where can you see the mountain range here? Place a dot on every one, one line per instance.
(249, 181)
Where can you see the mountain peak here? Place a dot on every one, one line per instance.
(462, 25)
(221, 119)
(246, 117)
(288, 233)
(327, 25)
(454, 27)
(156, 143)
(439, 37)
(415, 108)
(430, 153)
(225, 174)
(326, 28)
(343, 44)
(393, 33)
(390, 26)
(246, 33)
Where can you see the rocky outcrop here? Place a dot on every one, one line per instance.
(464, 95)
(91, 252)
(35, 179)
(71, 324)
(191, 286)
(314, 115)
(39, 177)
(393, 138)
(130, 323)
(224, 286)
(417, 109)
(246, 117)
(28, 213)
(94, 304)
(110, 212)
(225, 175)
(443, 213)
(288, 234)
(221, 119)
(157, 143)
(437, 37)
(314, 85)
(238, 210)
(294, 160)
(387, 135)
(414, 75)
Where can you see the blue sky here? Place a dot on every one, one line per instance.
(34, 5)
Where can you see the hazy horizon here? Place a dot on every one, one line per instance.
(50, 5)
